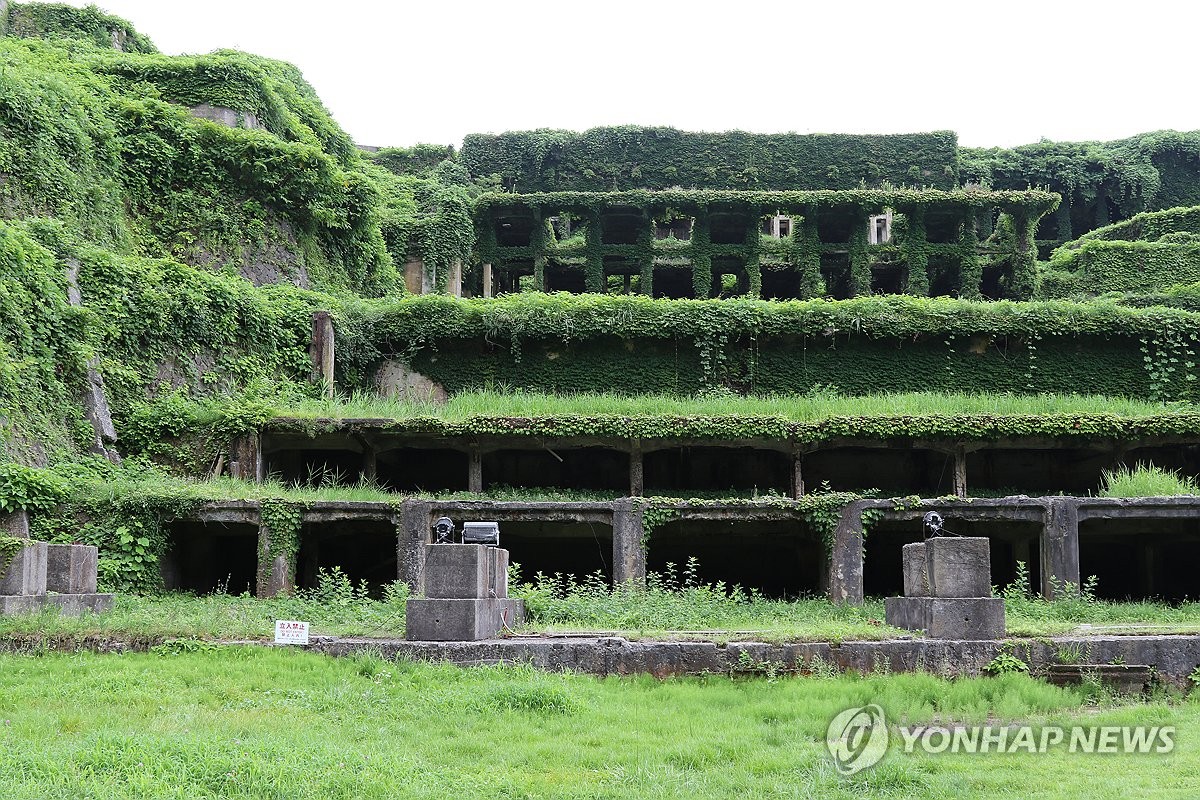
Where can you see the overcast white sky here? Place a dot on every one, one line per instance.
(999, 73)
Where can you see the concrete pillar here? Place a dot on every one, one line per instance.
(487, 280)
(276, 572)
(245, 458)
(637, 483)
(1060, 545)
(797, 474)
(846, 560)
(414, 276)
(320, 351)
(629, 549)
(369, 463)
(1149, 567)
(412, 536)
(960, 472)
(454, 281)
(475, 470)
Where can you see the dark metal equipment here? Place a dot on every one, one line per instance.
(443, 531)
(486, 533)
(933, 524)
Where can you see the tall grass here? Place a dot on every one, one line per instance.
(1147, 480)
(674, 604)
(817, 405)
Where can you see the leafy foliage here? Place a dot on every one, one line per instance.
(631, 157)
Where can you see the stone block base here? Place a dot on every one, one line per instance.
(26, 573)
(916, 570)
(72, 605)
(21, 604)
(68, 605)
(971, 618)
(454, 620)
(71, 569)
(959, 566)
(465, 570)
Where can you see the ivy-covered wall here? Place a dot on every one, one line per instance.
(632, 157)
(1100, 182)
(104, 142)
(1150, 251)
(870, 345)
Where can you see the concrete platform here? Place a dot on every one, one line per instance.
(971, 618)
(69, 605)
(444, 619)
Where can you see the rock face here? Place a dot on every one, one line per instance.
(396, 379)
(947, 588)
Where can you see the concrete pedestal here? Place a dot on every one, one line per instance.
(26, 573)
(455, 571)
(71, 568)
(461, 619)
(466, 595)
(959, 566)
(972, 618)
(916, 570)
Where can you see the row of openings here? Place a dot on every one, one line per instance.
(1131, 559)
(893, 471)
(833, 227)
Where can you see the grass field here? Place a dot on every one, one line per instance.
(252, 723)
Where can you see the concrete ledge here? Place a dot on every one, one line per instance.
(72, 605)
(1173, 657)
(68, 605)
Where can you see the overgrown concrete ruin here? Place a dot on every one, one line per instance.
(291, 268)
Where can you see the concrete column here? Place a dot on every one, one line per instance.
(245, 458)
(454, 281)
(797, 474)
(412, 536)
(487, 280)
(629, 549)
(414, 276)
(276, 574)
(369, 462)
(637, 483)
(846, 560)
(960, 472)
(321, 350)
(1060, 544)
(475, 470)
